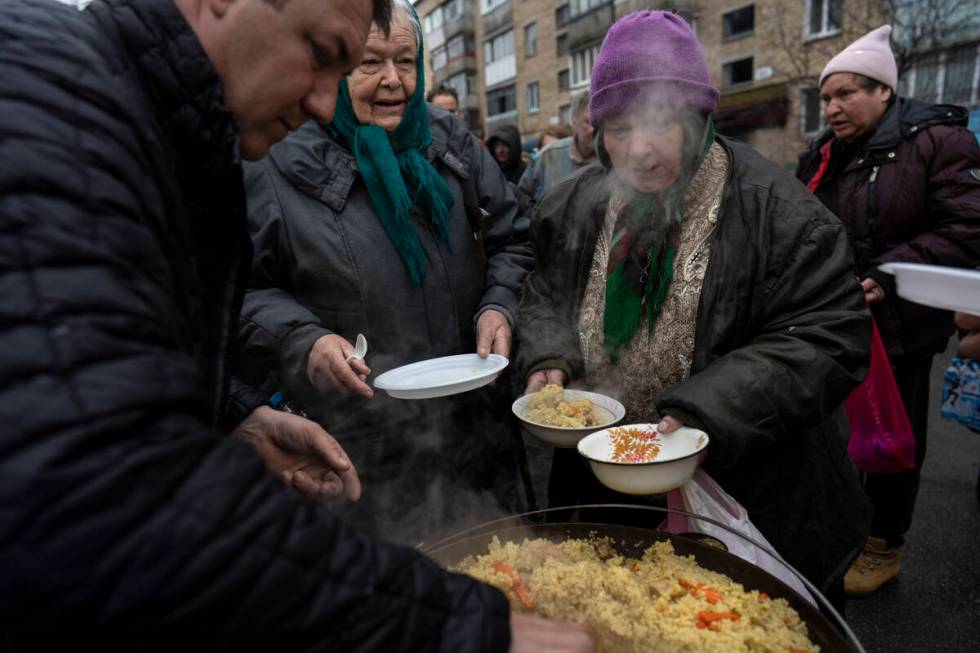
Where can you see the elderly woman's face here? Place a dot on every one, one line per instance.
(645, 146)
(383, 83)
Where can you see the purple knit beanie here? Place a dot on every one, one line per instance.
(646, 55)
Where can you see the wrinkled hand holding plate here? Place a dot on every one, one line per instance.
(952, 289)
(440, 377)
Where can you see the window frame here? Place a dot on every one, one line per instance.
(737, 35)
(809, 34)
(529, 28)
(534, 107)
(502, 92)
(822, 119)
(726, 83)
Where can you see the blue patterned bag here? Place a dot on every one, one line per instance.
(961, 392)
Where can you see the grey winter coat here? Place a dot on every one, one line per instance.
(782, 337)
(323, 264)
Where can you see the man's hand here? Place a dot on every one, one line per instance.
(969, 341)
(492, 334)
(873, 293)
(300, 452)
(669, 424)
(328, 369)
(530, 634)
(541, 378)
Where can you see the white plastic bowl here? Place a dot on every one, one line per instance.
(608, 410)
(673, 466)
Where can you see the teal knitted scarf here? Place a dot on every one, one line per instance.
(641, 258)
(397, 174)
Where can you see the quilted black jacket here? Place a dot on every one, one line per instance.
(129, 519)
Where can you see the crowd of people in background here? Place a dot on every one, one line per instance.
(202, 206)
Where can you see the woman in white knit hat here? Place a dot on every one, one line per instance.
(904, 178)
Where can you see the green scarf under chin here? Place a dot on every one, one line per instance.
(397, 174)
(641, 259)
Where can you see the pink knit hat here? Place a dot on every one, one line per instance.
(649, 54)
(870, 55)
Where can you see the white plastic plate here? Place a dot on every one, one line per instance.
(440, 377)
(952, 289)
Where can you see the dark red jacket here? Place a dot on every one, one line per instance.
(911, 193)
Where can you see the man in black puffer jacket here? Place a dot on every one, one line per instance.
(128, 517)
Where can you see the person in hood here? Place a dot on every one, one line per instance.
(505, 146)
(704, 286)
(903, 176)
(365, 225)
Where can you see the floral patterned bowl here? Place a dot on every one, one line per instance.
(636, 459)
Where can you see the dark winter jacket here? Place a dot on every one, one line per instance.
(911, 193)
(128, 518)
(324, 264)
(782, 336)
(515, 166)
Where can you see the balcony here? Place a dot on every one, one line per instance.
(464, 22)
(590, 27)
(457, 65)
(498, 19)
(501, 70)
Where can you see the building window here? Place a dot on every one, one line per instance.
(499, 47)
(530, 39)
(433, 20)
(563, 80)
(565, 114)
(463, 83)
(736, 72)
(811, 111)
(738, 23)
(561, 16)
(579, 7)
(958, 78)
(452, 9)
(460, 45)
(582, 61)
(439, 58)
(501, 100)
(561, 42)
(533, 98)
(950, 77)
(486, 6)
(823, 17)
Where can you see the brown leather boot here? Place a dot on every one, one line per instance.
(876, 565)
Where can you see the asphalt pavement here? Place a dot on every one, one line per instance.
(934, 605)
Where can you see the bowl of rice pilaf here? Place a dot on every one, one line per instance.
(637, 459)
(562, 417)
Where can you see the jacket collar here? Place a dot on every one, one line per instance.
(325, 168)
(179, 78)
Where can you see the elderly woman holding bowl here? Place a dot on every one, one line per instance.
(703, 286)
(394, 222)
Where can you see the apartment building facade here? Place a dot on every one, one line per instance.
(520, 61)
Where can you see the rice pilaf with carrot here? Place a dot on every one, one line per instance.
(549, 406)
(661, 602)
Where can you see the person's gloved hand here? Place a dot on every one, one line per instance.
(300, 452)
(328, 370)
(970, 340)
(492, 334)
(531, 634)
(541, 378)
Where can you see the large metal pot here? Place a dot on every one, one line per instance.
(826, 628)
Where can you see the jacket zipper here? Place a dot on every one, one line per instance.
(873, 206)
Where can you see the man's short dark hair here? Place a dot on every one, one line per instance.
(381, 15)
(442, 89)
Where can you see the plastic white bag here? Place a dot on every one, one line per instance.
(702, 496)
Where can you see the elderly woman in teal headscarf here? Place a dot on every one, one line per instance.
(393, 222)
